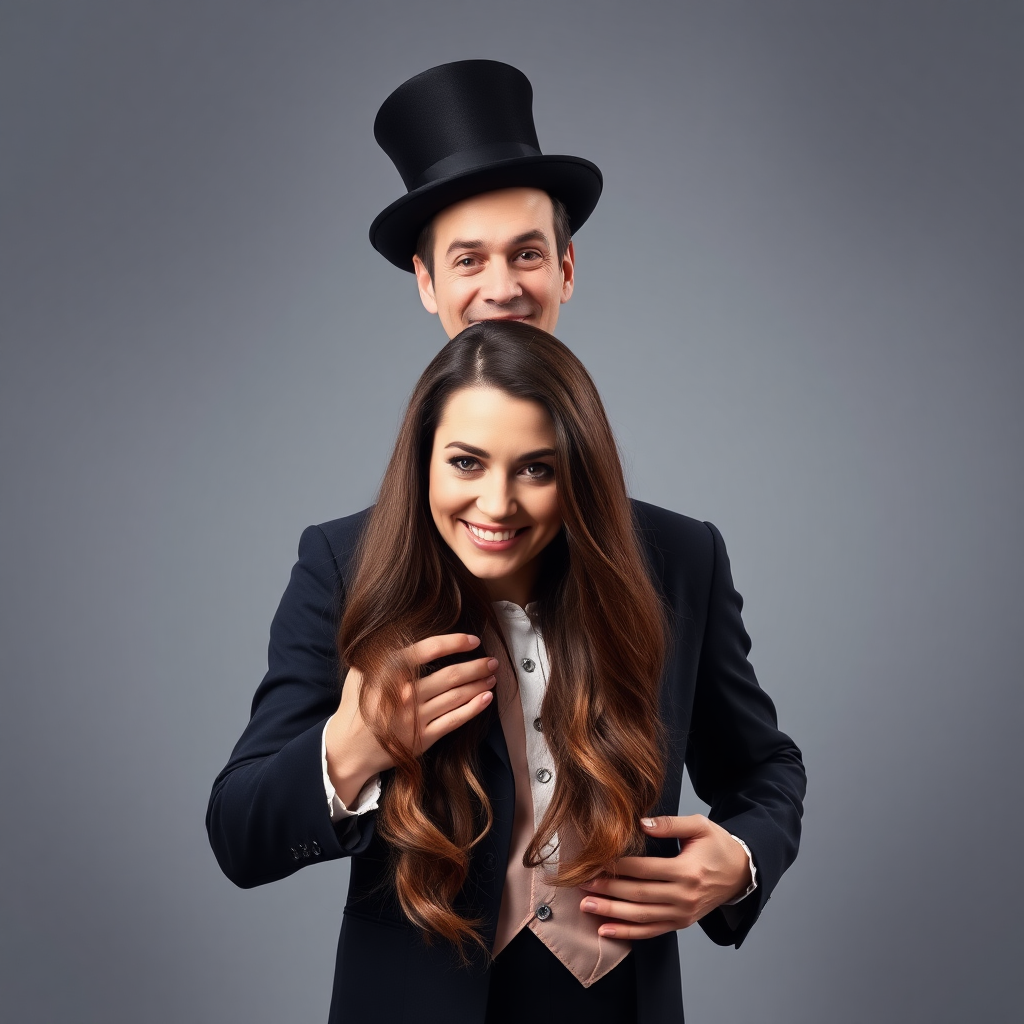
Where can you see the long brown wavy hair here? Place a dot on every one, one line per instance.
(601, 618)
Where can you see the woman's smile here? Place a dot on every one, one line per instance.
(493, 538)
(492, 490)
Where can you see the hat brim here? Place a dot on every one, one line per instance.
(573, 180)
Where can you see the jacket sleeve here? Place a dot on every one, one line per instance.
(740, 763)
(268, 814)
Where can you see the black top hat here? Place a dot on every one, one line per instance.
(461, 129)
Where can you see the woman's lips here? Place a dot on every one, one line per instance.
(490, 539)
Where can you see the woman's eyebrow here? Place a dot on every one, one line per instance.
(539, 453)
(472, 449)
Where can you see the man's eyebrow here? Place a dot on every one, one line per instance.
(539, 453)
(459, 243)
(531, 236)
(478, 243)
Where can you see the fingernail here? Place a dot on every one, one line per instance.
(606, 931)
(486, 697)
(648, 823)
(589, 905)
(473, 640)
(492, 664)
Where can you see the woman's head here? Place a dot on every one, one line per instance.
(523, 399)
(492, 487)
(506, 429)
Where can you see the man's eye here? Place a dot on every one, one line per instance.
(529, 255)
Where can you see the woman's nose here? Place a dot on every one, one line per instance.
(497, 501)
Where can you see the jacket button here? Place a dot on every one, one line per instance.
(316, 848)
(305, 849)
(543, 775)
(527, 664)
(489, 860)
(543, 912)
(295, 854)
(538, 725)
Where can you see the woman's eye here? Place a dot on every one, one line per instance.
(463, 463)
(538, 471)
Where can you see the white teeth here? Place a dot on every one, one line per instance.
(491, 534)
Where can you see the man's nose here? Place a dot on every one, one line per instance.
(500, 284)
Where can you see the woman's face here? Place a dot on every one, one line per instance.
(492, 485)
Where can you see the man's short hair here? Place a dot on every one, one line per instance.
(425, 243)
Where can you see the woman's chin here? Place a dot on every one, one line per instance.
(485, 569)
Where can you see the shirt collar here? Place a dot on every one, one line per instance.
(508, 610)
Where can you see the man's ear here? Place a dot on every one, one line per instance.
(568, 272)
(425, 285)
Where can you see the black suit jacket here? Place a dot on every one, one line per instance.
(268, 815)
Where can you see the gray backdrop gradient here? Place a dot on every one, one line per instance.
(801, 297)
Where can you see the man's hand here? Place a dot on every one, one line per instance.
(433, 706)
(648, 896)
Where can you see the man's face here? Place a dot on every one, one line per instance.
(495, 258)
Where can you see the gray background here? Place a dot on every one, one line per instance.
(801, 298)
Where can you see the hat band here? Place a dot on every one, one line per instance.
(471, 160)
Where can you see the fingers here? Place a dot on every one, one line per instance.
(647, 896)
(654, 868)
(633, 920)
(676, 827)
(460, 715)
(446, 698)
(434, 647)
(688, 827)
(451, 699)
(453, 676)
(451, 696)
(632, 889)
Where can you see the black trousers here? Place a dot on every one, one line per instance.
(528, 982)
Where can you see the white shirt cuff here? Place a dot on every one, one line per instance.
(753, 875)
(369, 795)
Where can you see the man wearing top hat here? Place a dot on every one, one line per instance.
(463, 139)
(486, 227)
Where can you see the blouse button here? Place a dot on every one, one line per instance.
(527, 664)
(543, 775)
(538, 725)
(543, 912)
